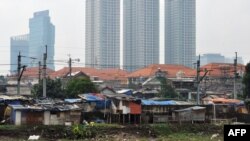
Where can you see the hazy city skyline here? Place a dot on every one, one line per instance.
(222, 26)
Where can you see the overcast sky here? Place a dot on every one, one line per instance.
(223, 26)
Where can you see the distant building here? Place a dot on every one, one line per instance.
(140, 33)
(42, 33)
(218, 58)
(18, 44)
(102, 34)
(231, 60)
(180, 32)
(211, 58)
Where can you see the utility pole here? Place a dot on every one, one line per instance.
(44, 72)
(39, 71)
(235, 75)
(18, 72)
(70, 67)
(198, 81)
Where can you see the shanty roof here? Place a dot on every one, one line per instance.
(153, 102)
(14, 97)
(172, 71)
(74, 100)
(121, 97)
(92, 97)
(190, 108)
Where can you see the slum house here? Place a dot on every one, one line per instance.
(45, 112)
(60, 112)
(95, 107)
(190, 114)
(156, 111)
(145, 93)
(5, 100)
(124, 109)
(107, 91)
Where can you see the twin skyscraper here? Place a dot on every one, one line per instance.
(140, 34)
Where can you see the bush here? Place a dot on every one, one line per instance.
(82, 131)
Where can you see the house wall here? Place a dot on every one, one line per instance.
(17, 118)
(134, 108)
(46, 118)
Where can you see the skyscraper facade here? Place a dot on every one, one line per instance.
(18, 44)
(180, 30)
(102, 48)
(42, 33)
(140, 33)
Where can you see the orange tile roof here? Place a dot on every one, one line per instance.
(169, 68)
(64, 71)
(34, 72)
(103, 74)
(221, 69)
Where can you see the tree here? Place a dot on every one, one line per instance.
(53, 89)
(246, 81)
(78, 86)
(167, 91)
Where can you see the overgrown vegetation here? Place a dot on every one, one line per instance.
(55, 90)
(78, 86)
(166, 132)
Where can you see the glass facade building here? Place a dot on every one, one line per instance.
(42, 33)
(140, 33)
(180, 32)
(18, 44)
(102, 47)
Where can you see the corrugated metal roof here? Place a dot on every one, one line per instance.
(153, 102)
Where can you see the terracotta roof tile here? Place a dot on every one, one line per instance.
(221, 69)
(34, 72)
(103, 74)
(170, 69)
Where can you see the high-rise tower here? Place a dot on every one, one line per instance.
(102, 33)
(42, 33)
(180, 30)
(140, 33)
(18, 44)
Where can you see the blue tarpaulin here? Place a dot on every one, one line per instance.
(153, 102)
(99, 99)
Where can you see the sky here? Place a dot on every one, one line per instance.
(222, 26)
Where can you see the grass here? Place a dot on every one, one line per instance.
(158, 132)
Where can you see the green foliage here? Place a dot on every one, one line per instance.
(54, 89)
(167, 91)
(78, 86)
(83, 131)
(246, 81)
